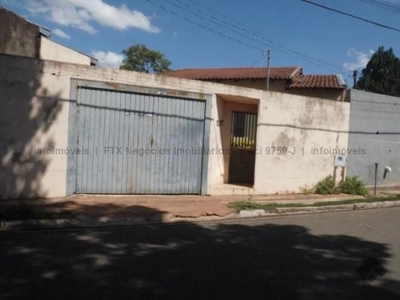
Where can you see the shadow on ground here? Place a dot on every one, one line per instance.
(188, 261)
(42, 210)
(113, 207)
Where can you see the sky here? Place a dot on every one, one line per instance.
(221, 33)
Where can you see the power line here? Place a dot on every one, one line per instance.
(240, 29)
(388, 6)
(266, 41)
(252, 32)
(228, 25)
(204, 27)
(258, 61)
(212, 20)
(351, 16)
(229, 18)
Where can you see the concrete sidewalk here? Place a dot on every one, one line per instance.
(154, 207)
(88, 211)
(166, 207)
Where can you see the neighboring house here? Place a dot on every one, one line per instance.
(50, 50)
(374, 137)
(282, 79)
(22, 38)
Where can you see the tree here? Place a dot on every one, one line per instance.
(139, 58)
(382, 74)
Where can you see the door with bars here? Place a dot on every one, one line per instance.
(243, 146)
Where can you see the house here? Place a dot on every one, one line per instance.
(289, 80)
(23, 38)
(68, 127)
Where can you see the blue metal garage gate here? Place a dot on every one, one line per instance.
(138, 143)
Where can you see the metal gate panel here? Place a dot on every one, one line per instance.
(138, 144)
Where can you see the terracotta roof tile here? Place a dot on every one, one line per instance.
(316, 81)
(236, 73)
(293, 74)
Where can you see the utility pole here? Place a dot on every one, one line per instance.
(268, 68)
(355, 74)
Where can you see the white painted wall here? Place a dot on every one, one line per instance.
(50, 50)
(300, 124)
(27, 86)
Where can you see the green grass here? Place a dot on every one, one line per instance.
(27, 212)
(249, 205)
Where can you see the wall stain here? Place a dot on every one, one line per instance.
(284, 140)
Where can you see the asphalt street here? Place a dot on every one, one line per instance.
(347, 255)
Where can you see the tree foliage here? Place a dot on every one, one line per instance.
(139, 58)
(382, 74)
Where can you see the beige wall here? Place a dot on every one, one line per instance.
(337, 95)
(18, 36)
(300, 126)
(35, 95)
(50, 50)
(34, 115)
(275, 85)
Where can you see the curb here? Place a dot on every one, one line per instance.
(316, 209)
(103, 222)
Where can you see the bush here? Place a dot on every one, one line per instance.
(326, 186)
(353, 186)
(307, 190)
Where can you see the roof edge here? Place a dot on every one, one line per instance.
(341, 80)
(298, 71)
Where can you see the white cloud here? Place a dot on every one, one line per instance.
(82, 14)
(108, 59)
(361, 59)
(61, 34)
